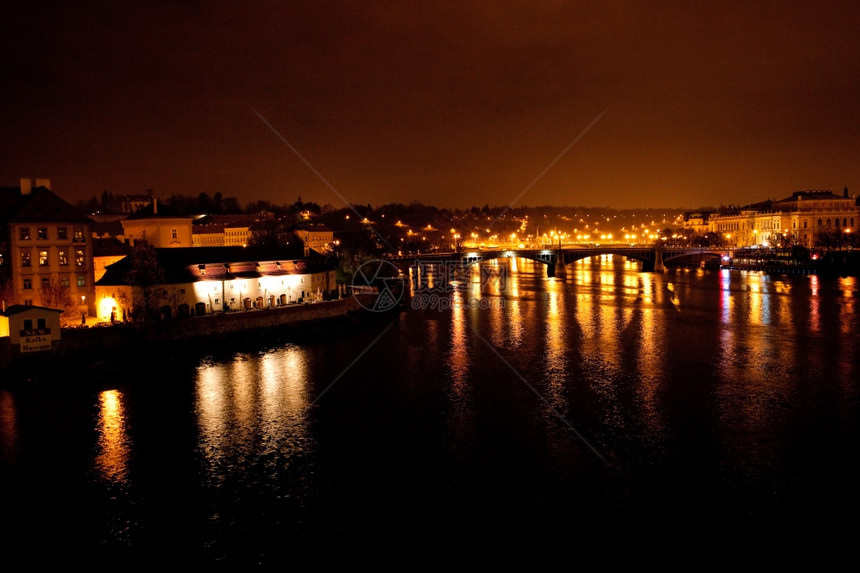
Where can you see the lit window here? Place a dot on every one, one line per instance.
(63, 257)
(78, 235)
(62, 233)
(24, 233)
(42, 233)
(25, 257)
(79, 258)
(43, 257)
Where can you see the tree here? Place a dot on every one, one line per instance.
(57, 296)
(144, 271)
(7, 293)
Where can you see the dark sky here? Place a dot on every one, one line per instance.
(596, 103)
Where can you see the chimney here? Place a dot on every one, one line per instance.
(26, 185)
(155, 206)
(46, 183)
(845, 192)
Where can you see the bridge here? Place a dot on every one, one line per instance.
(654, 258)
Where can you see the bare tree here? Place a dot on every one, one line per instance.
(57, 296)
(144, 271)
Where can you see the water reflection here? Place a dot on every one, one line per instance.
(253, 410)
(8, 427)
(114, 444)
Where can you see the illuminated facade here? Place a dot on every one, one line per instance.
(795, 220)
(314, 237)
(223, 230)
(46, 255)
(217, 279)
(160, 231)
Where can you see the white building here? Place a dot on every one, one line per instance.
(195, 281)
(796, 220)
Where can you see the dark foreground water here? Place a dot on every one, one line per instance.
(512, 413)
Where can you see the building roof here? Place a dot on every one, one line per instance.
(109, 248)
(41, 205)
(208, 229)
(19, 308)
(109, 228)
(812, 195)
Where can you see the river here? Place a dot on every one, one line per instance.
(503, 405)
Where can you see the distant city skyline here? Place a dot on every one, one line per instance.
(618, 105)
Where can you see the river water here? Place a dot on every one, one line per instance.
(503, 405)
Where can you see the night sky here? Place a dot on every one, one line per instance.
(454, 104)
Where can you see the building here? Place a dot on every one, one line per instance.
(194, 281)
(107, 252)
(208, 235)
(30, 329)
(46, 255)
(317, 238)
(800, 219)
(232, 230)
(159, 230)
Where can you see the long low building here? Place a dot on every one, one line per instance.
(193, 281)
(803, 219)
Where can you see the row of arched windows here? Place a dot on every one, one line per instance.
(836, 221)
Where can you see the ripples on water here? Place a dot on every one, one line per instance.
(607, 394)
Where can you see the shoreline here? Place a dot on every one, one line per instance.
(122, 348)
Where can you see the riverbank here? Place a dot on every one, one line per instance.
(833, 263)
(117, 347)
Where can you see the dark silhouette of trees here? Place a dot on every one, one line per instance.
(144, 271)
(59, 297)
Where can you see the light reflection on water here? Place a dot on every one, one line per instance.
(253, 410)
(687, 380)
(114, 445)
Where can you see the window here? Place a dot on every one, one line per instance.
(43, 258)
(41, 324)
(63, 256)
(80, 260)
(28, 324)
(46, 282)
(174, 233)
(24, 233)
(2, 260)
(64, 280)
(62, 233)
(42, 233)
(25, 257)
(28, 284)
(82, 281)
(28, 302)
(79, 235)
